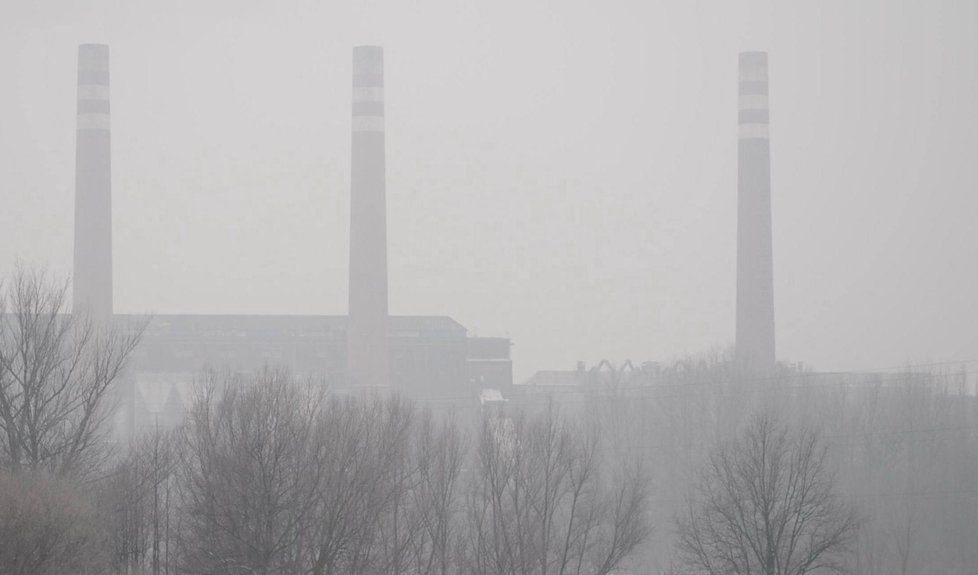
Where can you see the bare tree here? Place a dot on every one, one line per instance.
(277, 478)
(540, 503)
(135, 499)
(439, 456)
(249, 472)
(360, 525)
(46, 527)
(57, 372)
(765, 504)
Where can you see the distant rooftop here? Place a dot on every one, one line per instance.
(249, 326)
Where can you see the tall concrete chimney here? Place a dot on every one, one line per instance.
(93, 185)
(367, 352)
(755, 275)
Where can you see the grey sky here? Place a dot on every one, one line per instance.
(561, 172)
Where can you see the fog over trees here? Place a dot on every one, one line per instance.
(707, 470)
(488, 288)
(767, 503)
(57, 372)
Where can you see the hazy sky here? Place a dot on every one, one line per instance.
(563, 173)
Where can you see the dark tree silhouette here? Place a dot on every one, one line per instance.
(765, 504)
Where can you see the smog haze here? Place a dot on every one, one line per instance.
(561, 173)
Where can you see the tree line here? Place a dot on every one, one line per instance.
(268, 474)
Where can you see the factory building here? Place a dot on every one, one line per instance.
(429, 358)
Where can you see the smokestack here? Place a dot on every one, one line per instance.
(93, 185)
(367, 354)
(755, 275)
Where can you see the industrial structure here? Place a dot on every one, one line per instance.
(432, 359)
(755, 346)
(755, 334)
(425, 357)
(92, 282)
(429, 358)
(367, 329)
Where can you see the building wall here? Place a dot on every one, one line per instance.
(430, 358)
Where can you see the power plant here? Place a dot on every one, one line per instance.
(755, 267)
(430, 358)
